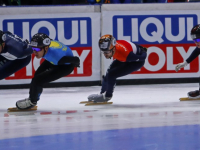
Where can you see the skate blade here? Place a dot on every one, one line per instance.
(98, 103)
(15, 109)
(188, 99)
(85, 102)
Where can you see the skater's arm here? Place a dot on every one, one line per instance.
(194, 54)
(69, 59)
(28, 51)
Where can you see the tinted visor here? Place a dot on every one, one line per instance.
(36, 49)
(108, 51)
(196, 40)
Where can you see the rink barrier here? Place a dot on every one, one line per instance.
(108, 19)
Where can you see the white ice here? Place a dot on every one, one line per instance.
(133, 106)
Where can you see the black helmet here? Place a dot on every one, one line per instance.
(195, 32)
(40, 40)
(107, 42)
(1, 37)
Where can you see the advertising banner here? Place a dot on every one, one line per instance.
(166, 34)
(78, 31)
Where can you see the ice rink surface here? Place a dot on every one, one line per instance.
(142, 117)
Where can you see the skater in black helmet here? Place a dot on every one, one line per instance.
(59, 62)
(195, 35)
(15, 54)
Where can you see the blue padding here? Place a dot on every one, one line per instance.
(156, 1)
(115, 1)
(185, 137)
(126, 1)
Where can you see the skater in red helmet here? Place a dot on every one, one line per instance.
(128, 57)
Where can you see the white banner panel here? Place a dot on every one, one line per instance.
(79, 31)
(165, 33)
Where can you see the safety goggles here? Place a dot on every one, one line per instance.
(37, 49)
(107, 52)
(196, 40)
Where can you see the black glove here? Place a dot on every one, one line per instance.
(76, 62)
(142, 49)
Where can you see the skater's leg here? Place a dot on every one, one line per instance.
(51, 74)
(116, 69)
(122, 69)
(115, 64)
(45, 66)
(196, 93)
(45, 74)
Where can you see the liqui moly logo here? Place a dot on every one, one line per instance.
(166, 36)
(73, 32)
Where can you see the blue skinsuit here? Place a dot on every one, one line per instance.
(56, 51)
(49, 70)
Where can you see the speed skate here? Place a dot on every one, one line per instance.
(89, 103)
(15, 109)
(188, 99)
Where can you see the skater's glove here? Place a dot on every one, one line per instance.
(181, 65)
(76, 61)
(144, 49)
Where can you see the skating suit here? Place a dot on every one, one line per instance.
(15, 47)
(56, 51)
(193, 55)
(49, 70)
(128, 58)
(15, 55)
(127, 52)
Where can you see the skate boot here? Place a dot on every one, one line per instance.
(98, 98)
(25, 104)
(194, 94)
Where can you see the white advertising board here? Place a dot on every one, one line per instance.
(79, 31)
(166, 34)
